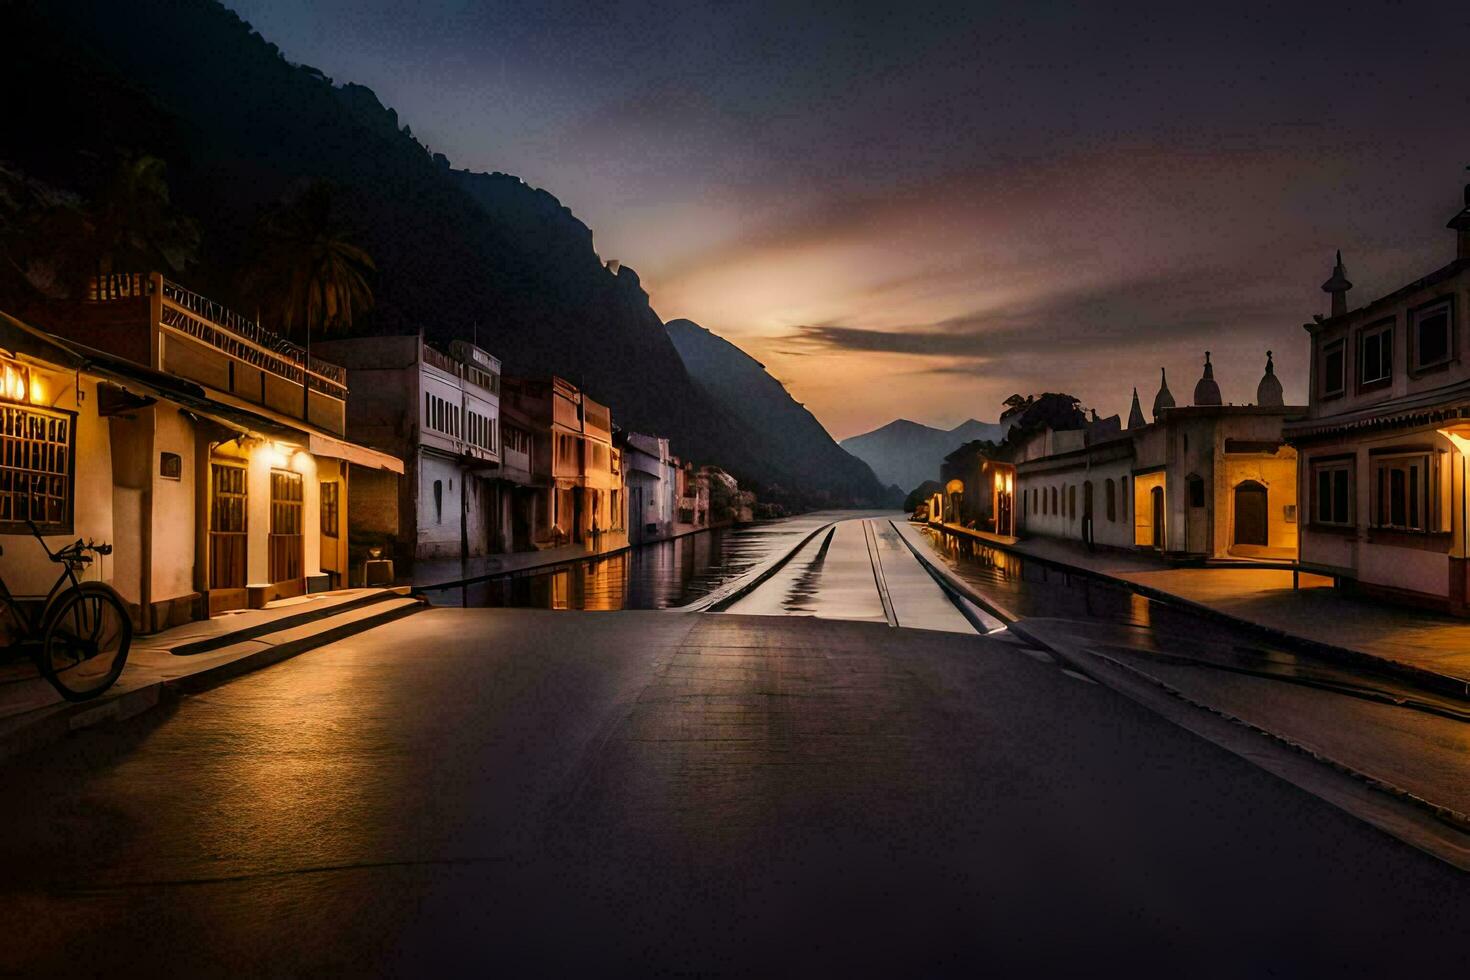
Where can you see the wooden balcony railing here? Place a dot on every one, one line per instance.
(222, 328)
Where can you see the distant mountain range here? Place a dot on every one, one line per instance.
(907, 453)
(458, 254)
(804, 455)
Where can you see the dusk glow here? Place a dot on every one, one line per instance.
(923, 207)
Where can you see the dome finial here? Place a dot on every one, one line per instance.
(1268, 392)
(1207, 392)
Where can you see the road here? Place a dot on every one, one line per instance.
(496, 789)
(1375, 723)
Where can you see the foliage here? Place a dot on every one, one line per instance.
(309, 276)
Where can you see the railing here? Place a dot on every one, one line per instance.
(119, 285)
(220, 327)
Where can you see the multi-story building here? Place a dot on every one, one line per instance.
(651, 475)
(1386, 437)
(209, 451)
(439, 411)
(583, 477)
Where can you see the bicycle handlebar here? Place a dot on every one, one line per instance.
(73, 551)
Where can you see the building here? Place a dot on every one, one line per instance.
(1386, 435)
(439, 412)
(652, 476)
(581, 469)
(979, 483)
(208, 451)
(1205, 480)
(692, 498)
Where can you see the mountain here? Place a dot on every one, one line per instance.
(457, 253)
(738, 383)
(908, 453)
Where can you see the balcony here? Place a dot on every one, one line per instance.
(206, 342)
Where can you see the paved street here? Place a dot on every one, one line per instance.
(667, 792)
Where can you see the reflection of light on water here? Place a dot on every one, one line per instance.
(656, 576)
(1140, 609)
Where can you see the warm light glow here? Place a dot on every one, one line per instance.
(1010, 483)
(1460, 438)
(13, 383)
(1000, 482)
(38, 390)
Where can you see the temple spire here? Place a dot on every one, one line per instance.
(1206, 391)
(1164, 399)
(1135, 413)
(1268, 392)
(1337, 287)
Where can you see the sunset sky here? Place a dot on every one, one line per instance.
(914, 210)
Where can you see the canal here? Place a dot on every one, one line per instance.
(663, 575)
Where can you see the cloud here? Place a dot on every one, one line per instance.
(1122, 315)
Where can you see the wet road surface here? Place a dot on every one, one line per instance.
(1376, 723)
(860, 570)
(493, 790)
(663, 575)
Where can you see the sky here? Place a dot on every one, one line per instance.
(915, 210)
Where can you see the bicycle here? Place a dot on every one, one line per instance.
(79, 640)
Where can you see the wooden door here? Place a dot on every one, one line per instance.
(227, 526)
(286, 538)
(1251, 521)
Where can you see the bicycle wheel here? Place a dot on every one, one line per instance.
(85, 640)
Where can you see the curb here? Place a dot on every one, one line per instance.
(1100, 668)
(55, 725)
(1456, 852)
(1431, 680)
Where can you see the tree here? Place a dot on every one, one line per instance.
(309, 276)
(135, 227)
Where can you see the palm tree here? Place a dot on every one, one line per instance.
(310, 276)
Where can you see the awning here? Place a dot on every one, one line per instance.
(320, 445)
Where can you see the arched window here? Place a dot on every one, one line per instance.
(1054, 508)
(1072, 502)
(1111, 492)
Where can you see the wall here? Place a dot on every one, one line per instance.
(1417, 563)
(27, 569)
(173, 525)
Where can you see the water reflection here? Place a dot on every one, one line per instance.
(657, 576)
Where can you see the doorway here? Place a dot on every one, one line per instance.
(1251, 519)
(1156, 498)
(286, 538)
(227, 536)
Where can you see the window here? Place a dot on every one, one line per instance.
(1196, 490)
(1431, 335)
(329, 508)
(1072, 502)
(36, 476)
(170, 466)
(1111, 492)
(1332, 489)
(285, 539)
(1333, 373)
(1402, 492)
(1054, 508)
(1375, 354)
(438, 501)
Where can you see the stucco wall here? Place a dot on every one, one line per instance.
(27, 569)
(173, 525)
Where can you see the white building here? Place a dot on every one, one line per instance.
(440, 412)
(652, 476)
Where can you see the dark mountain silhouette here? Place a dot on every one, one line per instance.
(804, 451)
(457, 253)
(908, 453)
